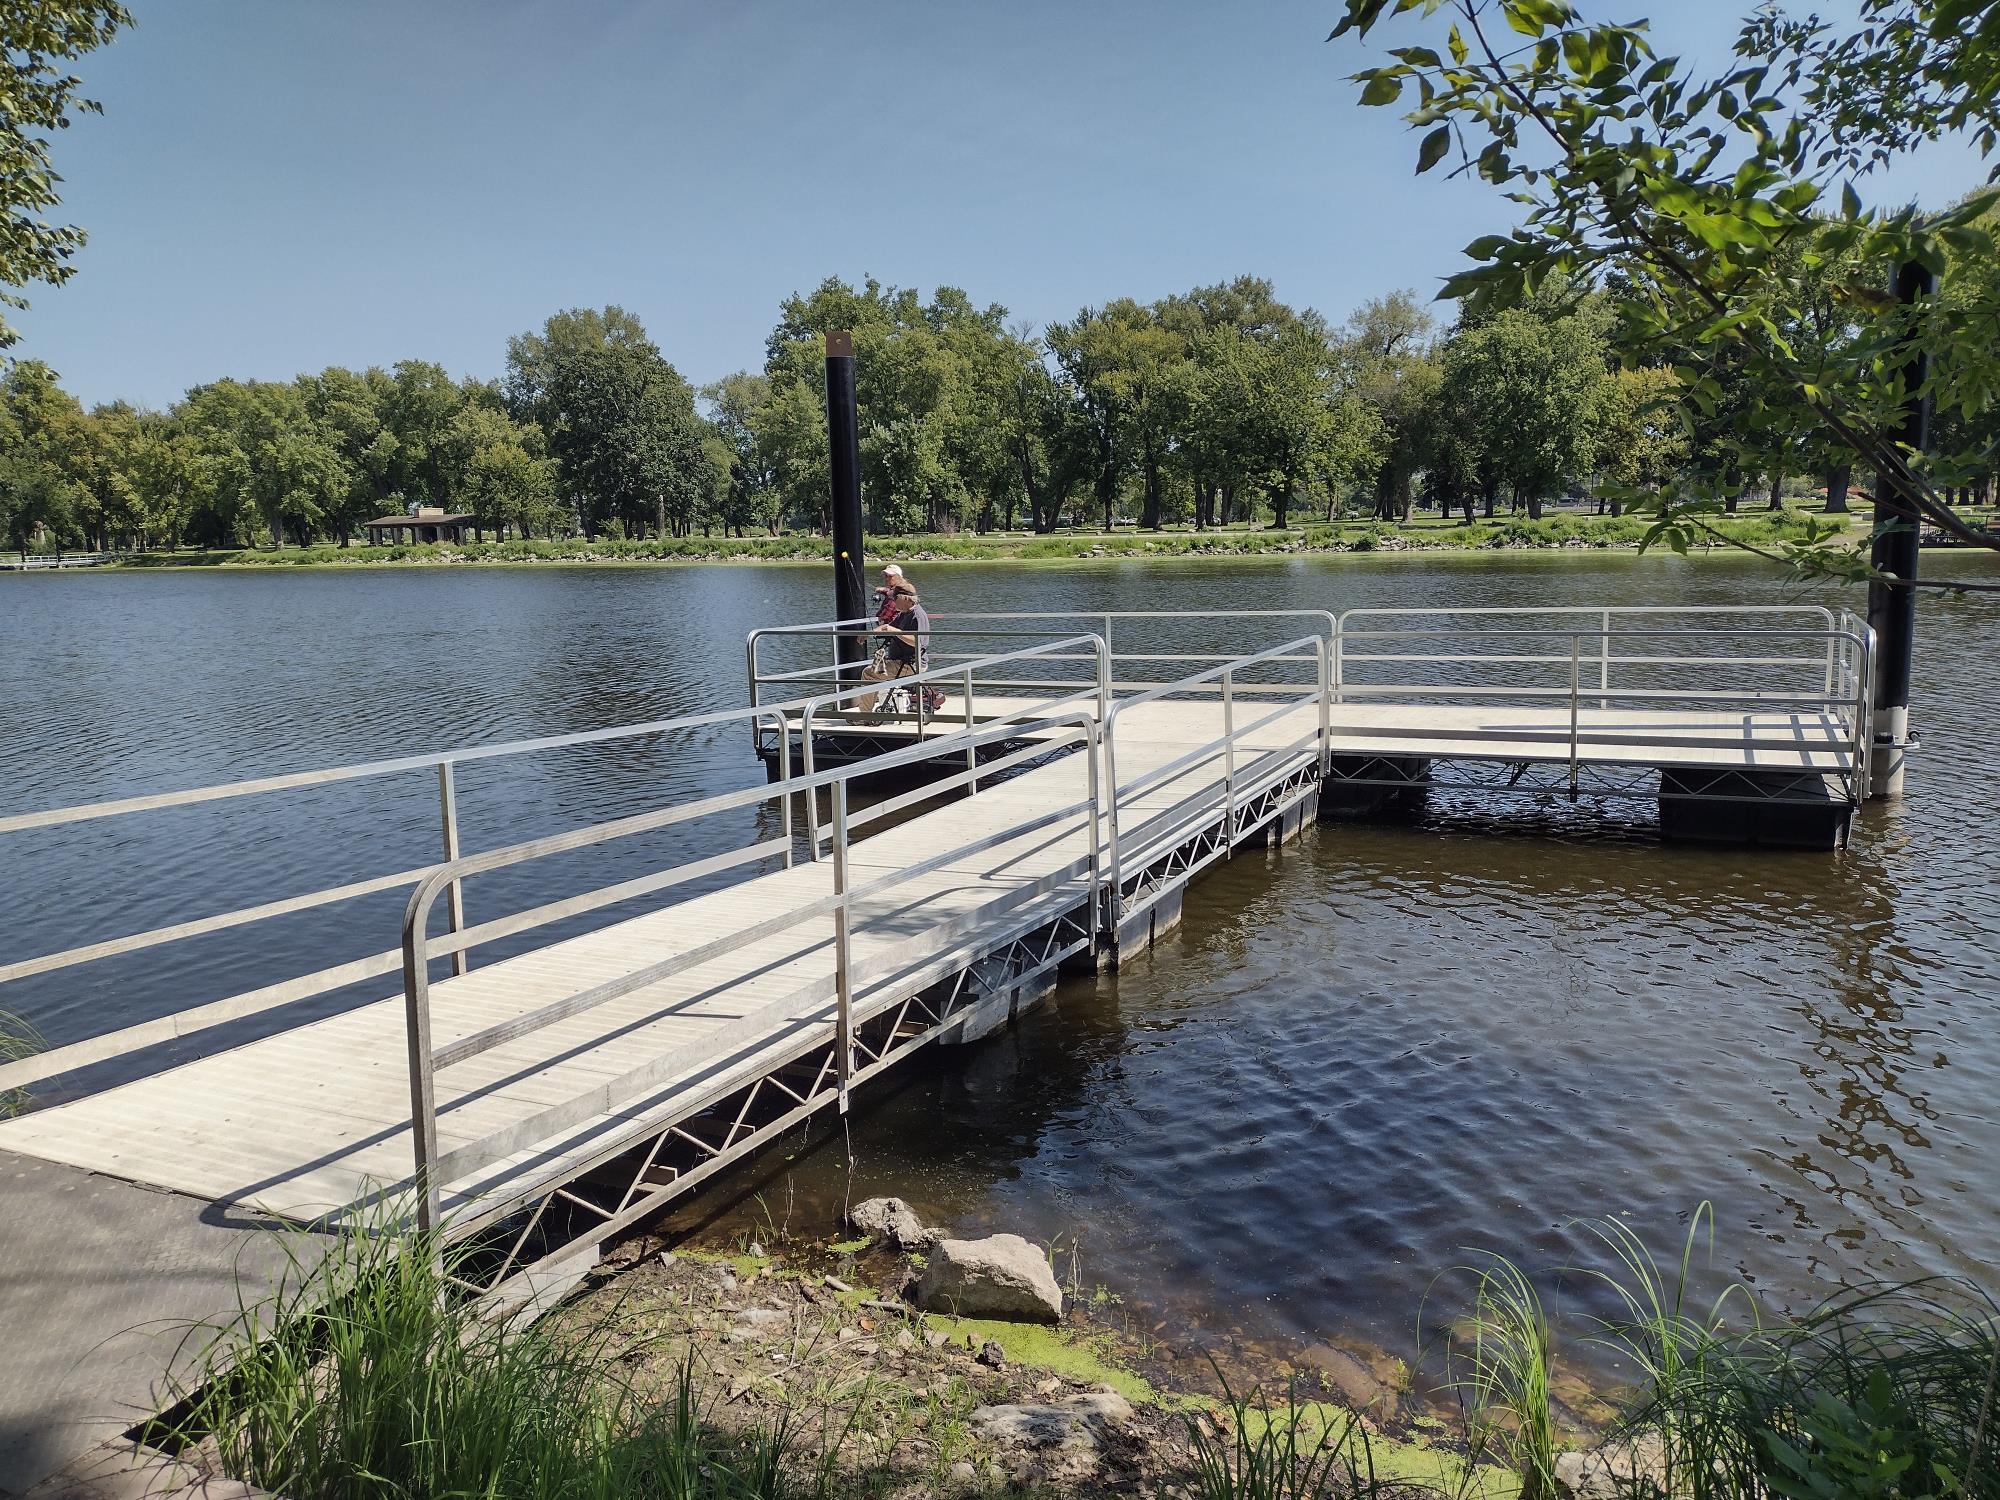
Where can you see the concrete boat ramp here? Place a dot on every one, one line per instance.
(924, 868)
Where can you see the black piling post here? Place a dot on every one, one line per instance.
(1892, 608)
(844, 453)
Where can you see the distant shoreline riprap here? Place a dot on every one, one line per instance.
(1552, 533)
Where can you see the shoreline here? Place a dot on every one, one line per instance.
(1553, 534)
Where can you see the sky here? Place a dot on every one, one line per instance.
(276, 186)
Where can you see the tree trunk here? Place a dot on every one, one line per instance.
(1492, 497)
(1281, 503)
(1777, 489)
(1836, 488)
(1534, 504)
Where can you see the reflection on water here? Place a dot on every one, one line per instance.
(1355, 1060)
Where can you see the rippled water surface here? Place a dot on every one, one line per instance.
(1353, 1062)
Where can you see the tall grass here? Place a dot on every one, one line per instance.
(366, 1374)
(1511, 1362)
(1267, 1455)
(18, 1039)
(1878, 1392)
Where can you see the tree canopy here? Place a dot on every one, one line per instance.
(1729, 213)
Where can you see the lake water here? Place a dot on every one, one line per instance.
(1351, 1066)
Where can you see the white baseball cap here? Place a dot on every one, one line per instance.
(892, 568)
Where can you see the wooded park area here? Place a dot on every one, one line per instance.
(1217, 406)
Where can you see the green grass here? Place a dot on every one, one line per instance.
(1279, 1454)
(18, 1039)
(1879, 1392)
(367, 1375)
(1509, 1365)
(1423, 533)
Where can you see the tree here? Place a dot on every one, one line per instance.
(746, 458)
(1643, 441)
(1394, 373)
(1126, 369)
(350, 410)
(498, 470)
(1697, 192)
(41, 431)
(37, 39)
(619, 420)
(1525, 391)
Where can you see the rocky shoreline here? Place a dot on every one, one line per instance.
(931, 1365)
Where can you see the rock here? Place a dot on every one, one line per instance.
(893, 1220)
(992, 1356)
(1624, 1467)
(759, 1322)
(937, 1338)
(963, 1473)
(1002, 1276)
(1075, 1424)
(757, 1250)
(1344, 1375)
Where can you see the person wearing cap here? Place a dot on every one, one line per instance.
(885, 596)
(905, 634)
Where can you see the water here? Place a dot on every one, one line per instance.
(1352, 1065)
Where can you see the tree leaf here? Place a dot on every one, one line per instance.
(1432, 151)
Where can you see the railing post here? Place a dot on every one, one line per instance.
(1090, 737)
(455, 899)
(812, 792)
(1604, 661)
(1325, 709)
(1103, 679)
(1575, 656)
(417, 1031)
(843, 1027)
(785, 788)
(971, 750)
(1229, 758)
(1116, 901)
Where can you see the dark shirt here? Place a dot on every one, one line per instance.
(898, 649)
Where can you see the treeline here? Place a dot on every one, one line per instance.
(1219, 405)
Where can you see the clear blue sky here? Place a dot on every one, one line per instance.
(277, 186)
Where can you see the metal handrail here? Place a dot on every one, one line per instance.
(190, 1020)
(961, 675)
(432, 1170)
(1225, 745)
(966, 624)
(1845, 666)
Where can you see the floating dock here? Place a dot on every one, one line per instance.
(927, 868)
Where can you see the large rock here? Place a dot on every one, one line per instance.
(1001, 1276)
(1073, 1423)
(893, 1220)
(1621, 1468)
